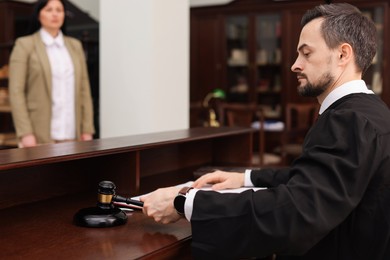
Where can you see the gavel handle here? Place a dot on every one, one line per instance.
(117, 198)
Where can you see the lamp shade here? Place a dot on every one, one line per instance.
(216, 93)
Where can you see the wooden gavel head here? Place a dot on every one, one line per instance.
(106, 191)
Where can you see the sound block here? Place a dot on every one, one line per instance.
(98, 217)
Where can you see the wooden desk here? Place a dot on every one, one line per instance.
(44, 230)
(42, 188)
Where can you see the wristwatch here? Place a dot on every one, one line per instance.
(180, 199)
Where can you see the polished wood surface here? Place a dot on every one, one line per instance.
(45, 230)
(52, 153)
(41, 188)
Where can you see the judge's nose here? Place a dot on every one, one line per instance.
(297, 66)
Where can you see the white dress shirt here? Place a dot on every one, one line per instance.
(63, 122)
(351, 87)
(355, 86)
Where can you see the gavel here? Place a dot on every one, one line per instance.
(106, 213)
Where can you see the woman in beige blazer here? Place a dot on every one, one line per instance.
(49, 85)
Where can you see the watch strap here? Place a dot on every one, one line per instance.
(183, 191)
(179, 201)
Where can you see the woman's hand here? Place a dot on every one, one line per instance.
(28, 140)
(221, 180)
(86, 137)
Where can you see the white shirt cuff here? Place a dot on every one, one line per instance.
(247, 180)
(188, 205)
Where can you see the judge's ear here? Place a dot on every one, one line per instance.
(345, 52)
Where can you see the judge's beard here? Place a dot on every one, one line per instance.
(316, 89)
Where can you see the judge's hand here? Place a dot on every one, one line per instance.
(159, 205)
(221, 180)
(28, 140)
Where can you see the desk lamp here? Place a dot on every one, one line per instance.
(105, 214)
(216, 93)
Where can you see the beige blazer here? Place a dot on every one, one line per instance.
(30, 87)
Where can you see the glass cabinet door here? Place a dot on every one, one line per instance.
(268, 60)
(374, 75)
(237, 58)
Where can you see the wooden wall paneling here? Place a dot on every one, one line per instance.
(123, 169)
(236, 152)
(174, 157)
(70, 177)
(169, 158)
(206, 49)
(43, 182)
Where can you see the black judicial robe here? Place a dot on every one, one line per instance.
(333, 203)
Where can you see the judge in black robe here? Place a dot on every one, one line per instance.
(333, 203)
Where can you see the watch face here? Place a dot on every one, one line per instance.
(178, 203)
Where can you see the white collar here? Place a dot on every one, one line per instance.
(49, 40)
(351, 87)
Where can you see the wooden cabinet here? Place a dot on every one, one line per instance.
(205, 50)
(247, 48)
(253, 60)
(14, 22)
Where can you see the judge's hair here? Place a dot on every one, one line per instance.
(344, 23)
(35, 24)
